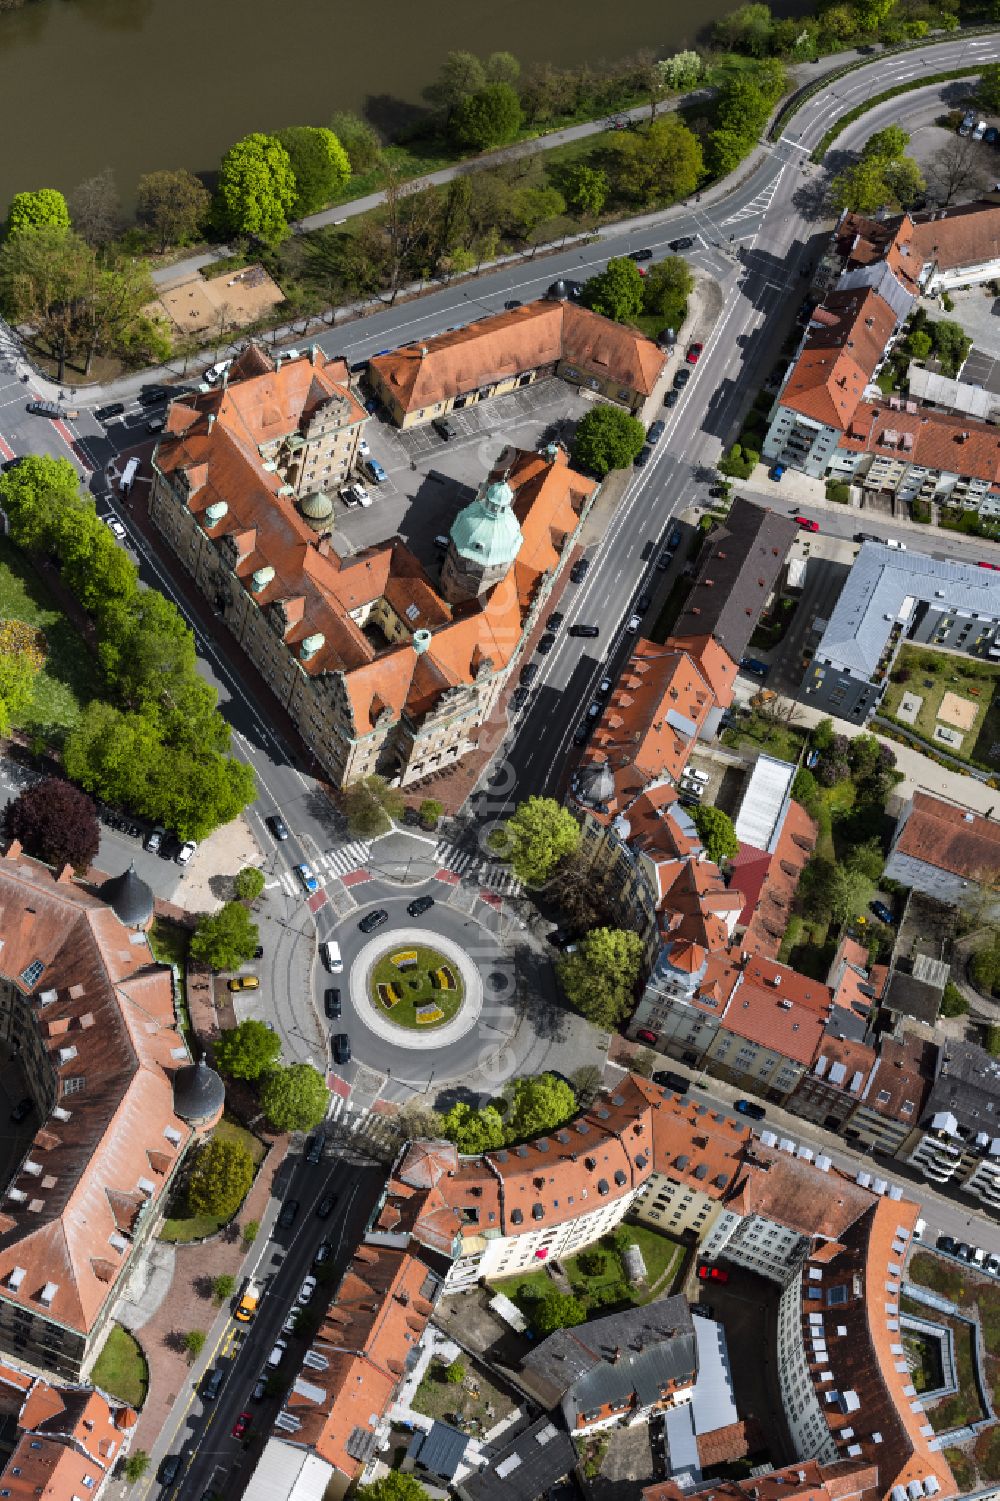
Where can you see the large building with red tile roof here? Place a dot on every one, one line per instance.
(92, 1015)
(513, 349)
(70, 1438)
(380, 671)
(944, 850)
(847, 1480)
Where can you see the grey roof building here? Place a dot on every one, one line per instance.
(439, 1451)
(620, 1366)
(526, 1468)
(893, 595)
(737, 576)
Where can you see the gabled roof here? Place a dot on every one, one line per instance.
(951, 838)
(843, 347)
(966, 235)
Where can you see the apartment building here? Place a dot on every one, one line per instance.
(381, 669)
(89, 1015)
(944, 851)
(955, 1140)
(847, 1480)
(67, 1439)
(511, 350)
(618, 1369)
(891, 596)
(894, 1096)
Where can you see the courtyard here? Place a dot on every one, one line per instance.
(948, 700)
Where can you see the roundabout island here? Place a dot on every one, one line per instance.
(416, 988)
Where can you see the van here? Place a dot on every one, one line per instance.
(892, 542)
(128, 476)
(331, 956)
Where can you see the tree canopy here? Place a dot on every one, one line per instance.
(537, 1104)
(248, 883)
(172, 206)
(606, 438)
(395, 1486)
(555, 1310)
(256, 189)
(600, 978)
(225, 939)
(489, 117)
(294, 1098)
(319, 163)
(473, 1130)
(54, 821)
(658, 165)
(666, 290)
(881, 176)
(221, 1177)
(617, 292)
(716, 831)
(247, 1051)
(538, 834)
(46, 208)
(371, 806)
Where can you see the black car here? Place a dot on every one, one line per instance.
(675, 539)
(519, 698)
(22, 1110)
(684, 243)
(946, 1243)
(643, 457)
(546, 643)
(170, 1469)
(643, 602)
(671, 399)
(578, 572)
(113, 409)
(289, 1214)
(324, 1250)
(656, 432)
(444, 428)
(669, 1080)
(9, 464)
(151, 396)
(373, 920)
(640, 255)
(963, 1251)
(511, 304)
(529, 673)
(419, 906)
(663, 562)
(559, 939)
(585, 630)
(324, 1209)
(681, 378)
(340, 1046)
(748, 1107)
(278, 826)
(582, 734)
(555, 620)
(332, 1007)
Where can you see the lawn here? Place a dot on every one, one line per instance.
(930, 675)
(416, 985)
(67, 682)
(121, 1368)
(181, 1226)
(606, 1287)
(773, 737)
(477, 1403)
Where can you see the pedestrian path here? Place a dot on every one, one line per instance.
(327, 867)
(488, 874)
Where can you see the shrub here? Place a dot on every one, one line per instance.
(953, 1002)
(836, 490)
(454, 1374)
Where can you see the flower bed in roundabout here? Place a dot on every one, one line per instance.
(416, 987)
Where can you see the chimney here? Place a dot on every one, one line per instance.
(211, 421)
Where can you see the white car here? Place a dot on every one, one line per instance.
(364, 452)
(274, 1359)
(306, 1291)
(355, 495)
(634, 622)
(697, 776)
(186, 851)
(115, 527)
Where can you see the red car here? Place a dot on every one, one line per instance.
(645, 1036)
(988, 565)
(712, 1274)
(242, 1424)
(694, 353)
(806, 524)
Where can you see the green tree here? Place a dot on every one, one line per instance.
(805, 790)
(44, 280)
(371, 806)
(538, 1104)
(874, 183)
(490, 117)
(462, 74)
(716, 831)
(600, 978)
(220, 1179)
(988, 89)
(919, 344)
(951, 345)
(294, 1098)
(555, 1310)
(135, 1466)
(747, 29)
(473, 1131)
(193, 1342)
(985, 967)
(392, 1487)
(502, 67)
(725, 149)
(225, 939)
(359, 139)
(172, 206)
(617, 292)
(993, 1040)
(606, 438)
(454, 1373)
(867, 859)
(223, 1287)
(256, 189)
(33, 495)
(247, 1051)
(18, 675)
(430, 812)
(587, 190)
(658, 165)
(666, 288)
(248, 883)
(739, 462)
(681, 71)
(539, 833)
(534, 209)
(953, 1002)
(888, 144)
(45, 208)
(320, 166)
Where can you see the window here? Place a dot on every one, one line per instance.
(883, 1097)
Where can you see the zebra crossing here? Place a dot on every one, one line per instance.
(474, 867)
(327, 867)
(362, 1124)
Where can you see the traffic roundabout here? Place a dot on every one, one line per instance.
(416, 988)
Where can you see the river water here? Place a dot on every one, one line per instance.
(137, 85)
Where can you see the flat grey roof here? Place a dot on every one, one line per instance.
(886, 585)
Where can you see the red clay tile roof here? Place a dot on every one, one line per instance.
(715, 664)
(778, 1008)
(805, 1480)
(844, 1064)
(653, 716)
(110, 1024)
(767, 924)
(937, 440)
(955, 237)
(838, 359)
(951, 838)
(747, 874)
(532, 337)
(902, 1076)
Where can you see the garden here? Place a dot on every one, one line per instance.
(214, 1184)
(121, 1369)
(416, 988)
(948, 700)
(462, 1394)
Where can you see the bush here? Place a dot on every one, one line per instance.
(953, 1002)
(223, 1287)
(739, 462)
(220, 1179)
(430, 812)
(836, 490)
(454, 1374)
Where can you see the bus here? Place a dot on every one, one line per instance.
(128, 476)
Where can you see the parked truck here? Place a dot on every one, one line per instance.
(246, 1308)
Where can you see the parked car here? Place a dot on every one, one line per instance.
(152, 395)
(373, 470)
(755, 665)
(156, 424)
(993, 1264)
(546, 643)
(341, 1047)
(712, 1274)
(115, 527)
(277, 826)
(555, 620)
(260, 1389)
(519, 698)
(419, 906)
(185, 852)
(646, 1036)
(315, 1147)
(373, 920)
(445, 428)
(604, 687)
(306, 1291)
(684, 242)
(277, 1353)
(882, 912)
(529, 673)
(244, 982)
(585, 630)
(154, 840)
(170, 1469)
(992, 135)
(667, 1079)
(307, 876)
(643, 602)
(806, 524)
(656, 431)
(594, 709)
(324, 1250)
(694, 352)
(963, 1251)
(332, 1007)
(113, 409)
(355, 495)
(289, 1214)
(672, 398)
(212, 1384)
(579, 570)
(946, 1243)
(776, 472)
(751, 1108)
(681, 378)
(511, 304)
(643, 457)
(633, 623)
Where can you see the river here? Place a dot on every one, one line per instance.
(137, 85)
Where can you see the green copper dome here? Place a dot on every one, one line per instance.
(487, 532)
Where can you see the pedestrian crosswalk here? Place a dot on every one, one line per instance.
(328, 866)
(365, 1126)
(490, 874)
